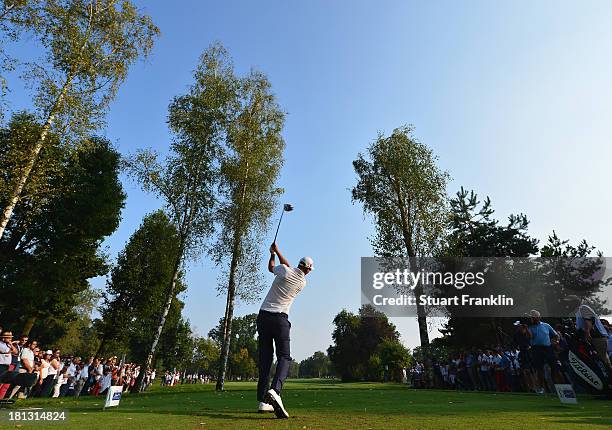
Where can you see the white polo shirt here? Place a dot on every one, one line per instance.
(483, 360)
(71, 369)
(585, 312)
(84, 373)
(26, 354)
(287, 284)
(5, 354)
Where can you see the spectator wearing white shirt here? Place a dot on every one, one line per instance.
(48, 374)
(29, 378)
(61, 381)
(91, 376)
(72, 367)
(500, 371)
(444, 373)
(99, 372)
(6, 350)
(71, 375)
(82, 377)
(491, 359)
(483, 370)
(20, 344)
(106, 381)
(26, 357)
(56, 363)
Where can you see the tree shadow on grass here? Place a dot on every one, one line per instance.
(582, 419)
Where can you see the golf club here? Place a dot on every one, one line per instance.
(286, 208)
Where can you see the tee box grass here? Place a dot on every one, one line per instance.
(326, 404)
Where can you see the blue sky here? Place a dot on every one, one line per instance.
(513, 97)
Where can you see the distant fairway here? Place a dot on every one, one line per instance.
(315, 404)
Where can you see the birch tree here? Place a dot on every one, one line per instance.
(89, 46)
(185, 180)
(401, 187)
(249, 168)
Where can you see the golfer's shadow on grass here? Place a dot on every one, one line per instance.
(250, 416)
(253, 416)
(229, 415)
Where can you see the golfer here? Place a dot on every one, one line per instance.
(273, 326)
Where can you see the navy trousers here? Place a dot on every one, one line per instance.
(273, 329)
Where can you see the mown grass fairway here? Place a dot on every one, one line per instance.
(315, 404)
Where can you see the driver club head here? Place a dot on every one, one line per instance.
(287, 207)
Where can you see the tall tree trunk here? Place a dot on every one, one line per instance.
(32, 157)
(405, 215)
(231, 289)
(27, 327)
(227, 321)
(425, 347)
(423, 330)
(162, 322)
(100, 348)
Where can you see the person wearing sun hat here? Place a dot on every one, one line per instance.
(6, 350)
(47, 375)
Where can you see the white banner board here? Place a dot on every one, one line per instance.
(566, 393)
(113, 396)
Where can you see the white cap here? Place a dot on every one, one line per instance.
(307, 263)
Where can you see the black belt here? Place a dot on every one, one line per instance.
(282, 314)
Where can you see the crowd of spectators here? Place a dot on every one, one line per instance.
(174, 377)
(27, 370)
(533, 361)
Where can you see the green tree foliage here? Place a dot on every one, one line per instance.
(16, 142)
(206, 355)
(401, 187)
(294, 370)
(343, 354)
(395, 357)
(250, 165)
(186, 179)
(52, 250)
(81, 338)
(557, 247)
(474, 232)
(581, 268)
(89, 46)
(244, 332)
(318, 365)
(243, 365)
(438, 348)
(355, 354)
(177, 344)
(137, 290)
